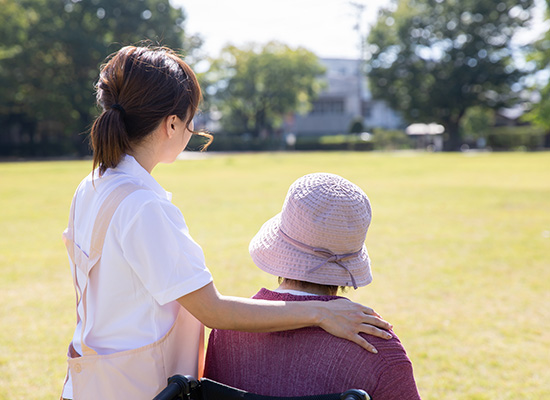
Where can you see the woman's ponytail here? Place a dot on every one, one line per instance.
(109, 138)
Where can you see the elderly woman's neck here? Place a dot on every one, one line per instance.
(313, 288)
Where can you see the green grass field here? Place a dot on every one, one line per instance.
(460, 245)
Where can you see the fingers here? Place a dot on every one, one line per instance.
(370, 311)
(374, 331)
(364, 344)
(349, 320)
(376, 321)
(367, 316)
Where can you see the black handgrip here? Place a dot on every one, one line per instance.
(355, 394)
(178, 386)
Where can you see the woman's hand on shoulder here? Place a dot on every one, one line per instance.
(346, 319)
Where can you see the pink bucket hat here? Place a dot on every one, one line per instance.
(319, 236)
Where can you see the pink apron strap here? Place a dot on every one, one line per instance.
(102, 222)
(68, 239)
(105, 215)
(201, 353)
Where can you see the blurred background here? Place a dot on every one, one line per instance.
(283, 75)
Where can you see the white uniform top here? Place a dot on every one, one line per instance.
(148, 261)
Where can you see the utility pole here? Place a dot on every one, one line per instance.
(359, 9)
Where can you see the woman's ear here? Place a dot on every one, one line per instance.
(170, 124)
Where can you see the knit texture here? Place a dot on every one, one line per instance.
(324, 212)
(308, 361)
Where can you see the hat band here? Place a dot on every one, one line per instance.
(325, 253)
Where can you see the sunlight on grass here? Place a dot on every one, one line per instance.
(460, 247)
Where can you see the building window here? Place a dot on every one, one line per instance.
(328, 106)
(366, 109)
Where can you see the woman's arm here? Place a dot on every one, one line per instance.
(341, 318)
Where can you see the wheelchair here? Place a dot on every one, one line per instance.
(186, 387)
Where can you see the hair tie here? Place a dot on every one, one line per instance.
(118, 107)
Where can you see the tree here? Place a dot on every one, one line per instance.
(434, 59)
(477, 122)
(540, 113)
(255, 87)
(357, 126)
(14, 27)
(52, 60)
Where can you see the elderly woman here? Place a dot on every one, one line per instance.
(315, 245)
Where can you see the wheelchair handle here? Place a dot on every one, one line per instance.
(178, 387)
(355, 394)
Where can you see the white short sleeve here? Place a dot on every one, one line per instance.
(157, 245)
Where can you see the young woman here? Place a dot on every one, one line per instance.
(142, 283)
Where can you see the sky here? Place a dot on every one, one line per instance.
(325, 27)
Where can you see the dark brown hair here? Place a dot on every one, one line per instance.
(137, 88)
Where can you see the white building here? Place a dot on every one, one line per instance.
(345, 98)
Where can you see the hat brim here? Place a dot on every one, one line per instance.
(274, 255)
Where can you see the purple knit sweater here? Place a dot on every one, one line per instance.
(308, 361)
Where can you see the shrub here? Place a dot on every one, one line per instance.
(390, 140)
(515, 138)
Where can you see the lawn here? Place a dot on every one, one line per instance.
(460, 245)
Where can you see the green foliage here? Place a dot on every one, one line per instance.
(357, 126)
(390, 140)
(515, 138)
(246, 142)
(50, 58)
(335, 142)
(477, 122)
(256, 86)
(236, 142)
(433, 59)
(539, 115)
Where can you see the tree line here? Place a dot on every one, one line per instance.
(49, 60)
(432, 60)
(436, 60)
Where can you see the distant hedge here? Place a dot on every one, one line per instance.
(516, 138)
(500, 138)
